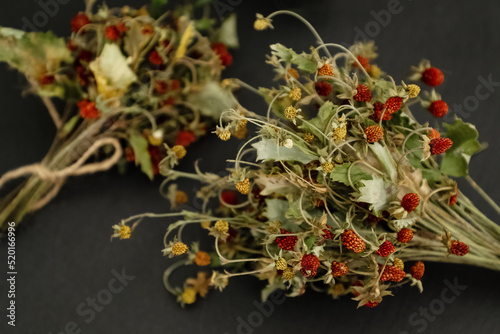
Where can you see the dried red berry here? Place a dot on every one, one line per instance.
(393, 274)
(438, 108)
(364, 62)
(393, 104)
(405, 235)
(418, 270)
(286, 243)
(433, 134)
(323, 88)
(175, 84)
(432, 77)
(229, 197)
(221, 50)
(387, 248)
(310, 265)
(79, 21)
(378, 110)
(364, 94)
(374, 133)
(155, 58)
(440, 145)
(112, 33)
(326, 70)
(154, 153)
(410, 202)
(88, 109)
(371, 304)
(339, 269)
(185, 138)
(327, 234)
(459, 248)
(352, 241)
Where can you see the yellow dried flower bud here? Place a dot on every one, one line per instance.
(340, 133)
(308, 137)
(281, 264)
(413, 90)
(222, 226)
(288, 274)
(179, 248)
(375, 71)
(261, 24)
(224, 135)
(328, 167)
(125, 232)
(399, 263)
(290, 112)
(180, 151)
(243, 186)
(242, 124)
(202, 259)
(205, 224)
(189, 295)
(295, 94)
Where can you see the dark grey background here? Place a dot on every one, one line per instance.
(63, 251)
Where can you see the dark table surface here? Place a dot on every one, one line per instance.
(64, 255)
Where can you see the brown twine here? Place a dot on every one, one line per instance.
(57, 177)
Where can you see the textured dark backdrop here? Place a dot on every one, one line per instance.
(63, 251)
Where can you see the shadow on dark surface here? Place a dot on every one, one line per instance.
(64, 255)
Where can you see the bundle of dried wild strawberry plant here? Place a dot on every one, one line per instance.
(151, 85)
(349, 193)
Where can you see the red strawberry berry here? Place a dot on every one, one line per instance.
(374, 133)
(459, 248)
(310, 265)
(387, 248)
(440, 145)
(438, 108)
(405, 235)
(378, 110)
(286, 243)
(371, 304)
(323, 88)
(433, 134)
(229, 197)
(418, 270)
(155, 58)
(112, 33)
(224, 55)
(185, 138)
(393, 274)
(327, 234)
(363, 61)
(393, 104)
(364, 94)
(410, 202)
(352, 241)
(339, 269)
(432, 77)
(79, 21)
(88, 109)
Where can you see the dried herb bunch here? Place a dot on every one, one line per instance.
(349, 193)
(149, 85)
